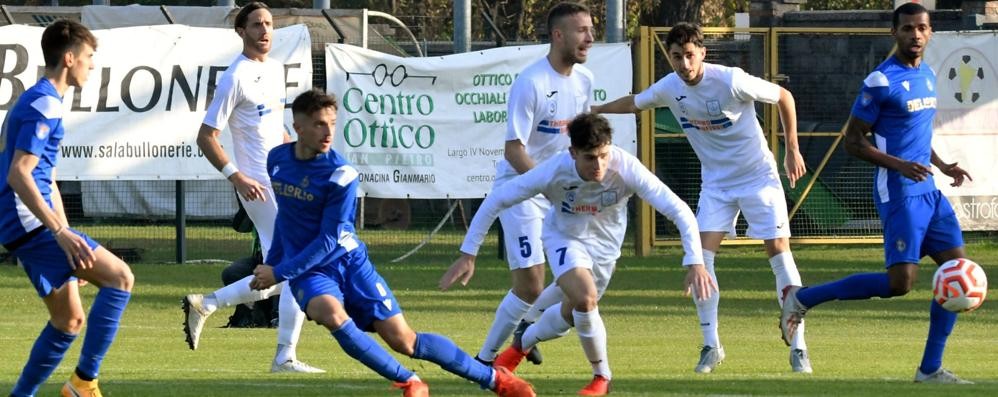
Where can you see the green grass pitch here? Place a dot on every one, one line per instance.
(857, 348)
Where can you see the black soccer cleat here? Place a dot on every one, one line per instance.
(534, 355)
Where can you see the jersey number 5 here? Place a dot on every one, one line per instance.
(525, 249)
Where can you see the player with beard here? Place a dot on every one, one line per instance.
(896, 104)
(543, 99)
(250, 98)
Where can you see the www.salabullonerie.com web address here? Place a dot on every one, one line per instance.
(131, 150)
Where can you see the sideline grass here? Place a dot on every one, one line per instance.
(858, 348)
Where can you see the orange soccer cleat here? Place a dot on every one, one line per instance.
(413, 388)
(509, 385)
(600, 386)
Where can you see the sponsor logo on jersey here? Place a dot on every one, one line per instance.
(705, 125)
(549, 126)
(917, 104)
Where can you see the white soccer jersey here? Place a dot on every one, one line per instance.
(594, 213)
(541, 103)
(250, 98)
(718, 116)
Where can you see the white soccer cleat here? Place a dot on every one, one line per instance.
(195, 316)
(942, 375)
(791, 314)
(295, 366)
(800, 362)
(710, 358)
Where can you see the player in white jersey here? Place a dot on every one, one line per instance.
(250, 98)
(589, 186)
(543, 99)
(715, 105)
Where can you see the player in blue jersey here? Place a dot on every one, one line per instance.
(315, 248)
(897, 103)
(34, 228)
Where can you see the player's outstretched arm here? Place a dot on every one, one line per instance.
(462, 270)
(207, 141)
(951, 170)
(858, 145)
(78, 253)
(623, 104)
(793, 161)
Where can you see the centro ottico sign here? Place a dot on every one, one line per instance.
(390, 118)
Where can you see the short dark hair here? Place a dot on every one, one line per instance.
(564, 9)
(684, 32)
(907, 9)
(243, 14)
(64, 35)
(312, 101)
(589, 131)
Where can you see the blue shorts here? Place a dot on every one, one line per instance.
(917, 226)
(45, 262)
(353, 281)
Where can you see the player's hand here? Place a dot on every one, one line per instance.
(248, 187)
(263, 277)
(793, 163)
(78, 253)
(698, 281)
(462, 269)
(915, 171)
(954, 171)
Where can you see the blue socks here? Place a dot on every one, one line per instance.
(443, 352)
(856, 286)
(45, 356)
(941, 323)
(102, 326)
(361, 347)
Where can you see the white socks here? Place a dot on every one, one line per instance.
(785, 270)
(551, 325)
(508, 316)
(289, 323)
(240, 292)
(550, 296)
(592, 335)
(707, 309)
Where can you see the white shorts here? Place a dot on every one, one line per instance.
(567, 254)
(521, 228)
(762, 203)
(263, 214)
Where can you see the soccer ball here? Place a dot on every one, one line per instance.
(959, 285)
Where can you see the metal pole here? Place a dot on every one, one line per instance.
(320, 4)
(614, 21)
(462, 26)
(181, 223)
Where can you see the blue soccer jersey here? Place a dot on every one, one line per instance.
(316, 201)
(33, 125)
(899, 101)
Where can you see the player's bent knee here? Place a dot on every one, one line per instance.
(71, 324)
(588, 303)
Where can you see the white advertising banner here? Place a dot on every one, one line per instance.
(138, 115)
(435, 127)
(966, 125)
